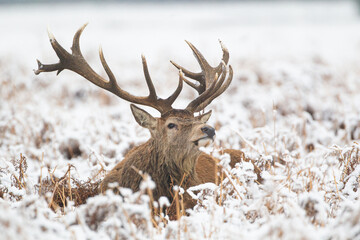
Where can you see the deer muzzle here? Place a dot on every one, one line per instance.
(206, 138)
(209, 131)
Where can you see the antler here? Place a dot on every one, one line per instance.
(75, 62)
(211, 79)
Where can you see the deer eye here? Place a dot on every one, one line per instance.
(171, 125)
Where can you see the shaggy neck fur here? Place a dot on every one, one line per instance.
(172, 166)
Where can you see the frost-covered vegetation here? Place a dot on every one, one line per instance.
(293, 109)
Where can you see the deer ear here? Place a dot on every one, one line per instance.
(143, 118)
(204, 117)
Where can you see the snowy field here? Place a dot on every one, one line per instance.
(293, 108)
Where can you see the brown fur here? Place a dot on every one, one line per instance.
(167, 157)
(207, 168)
(170, 156)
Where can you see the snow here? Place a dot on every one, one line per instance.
(292, 108)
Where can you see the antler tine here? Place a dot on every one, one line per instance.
(177, 91)
(218, 92)
(195, 76)
(211, 79)
(75, 48)
(112, 80)
(207, 74)
(60, 52)
(152, 92)
(199, 57)
(193, 104)
(162, 105)
(199, 77)
(211, 93)
(225, 57)
(76, 63)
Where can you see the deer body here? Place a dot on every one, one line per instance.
(202, 169)
(171, 156)
(156, 165)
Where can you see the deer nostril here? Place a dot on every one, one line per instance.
(204, 129)
(209, 131)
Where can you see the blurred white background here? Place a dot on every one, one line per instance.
(251, 30)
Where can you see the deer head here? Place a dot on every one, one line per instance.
(173, 121)
(178, 133)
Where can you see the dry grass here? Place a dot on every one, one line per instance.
(62, 192)
(233, 186)
(285, 172)
(62, 189)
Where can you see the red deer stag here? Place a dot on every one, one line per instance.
(171, 156)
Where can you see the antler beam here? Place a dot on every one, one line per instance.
(75, 62)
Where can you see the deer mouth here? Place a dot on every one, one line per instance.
(204, 141)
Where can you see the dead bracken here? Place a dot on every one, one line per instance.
(292, 117)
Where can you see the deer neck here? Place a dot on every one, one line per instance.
(176, 163)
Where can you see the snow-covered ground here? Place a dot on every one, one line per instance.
(293, 107)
